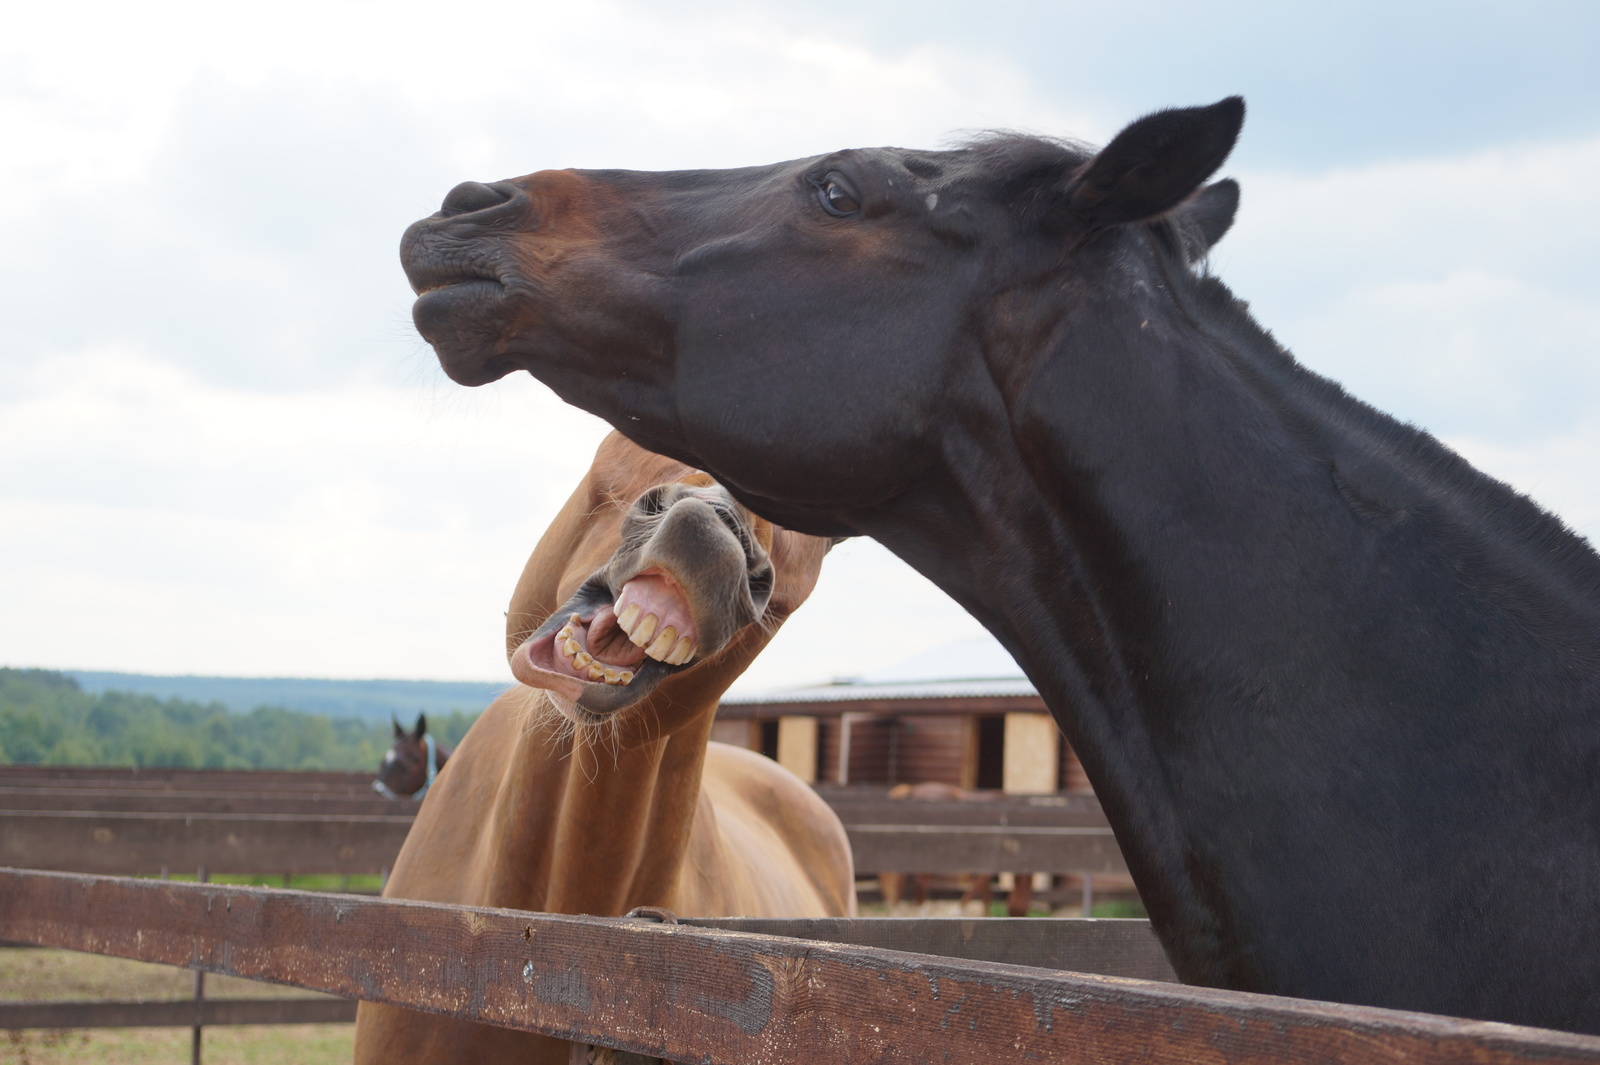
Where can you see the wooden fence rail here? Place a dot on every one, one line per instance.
(92, 841)
(689, 993)
(298, 781)
(238, 822)
(187, 1013)
(139, 843)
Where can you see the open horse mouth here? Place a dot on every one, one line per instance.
(591, 644)
(689, 573)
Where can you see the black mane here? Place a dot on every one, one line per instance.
(1443, 478)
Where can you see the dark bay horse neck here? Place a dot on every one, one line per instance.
(1339, 692)
(1336, 689)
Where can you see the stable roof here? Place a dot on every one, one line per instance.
(971, 676)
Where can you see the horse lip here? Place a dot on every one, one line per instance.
(450, 316)
(433, 257)
(425, 281)
(586, 702)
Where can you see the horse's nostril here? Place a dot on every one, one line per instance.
(472, 196)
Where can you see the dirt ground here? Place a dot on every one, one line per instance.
(45, 975)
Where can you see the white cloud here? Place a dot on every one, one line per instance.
(1454, 292)
(222, 448)
(172, 525)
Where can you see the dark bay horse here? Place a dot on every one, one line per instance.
(412, 764)
(1338, 691)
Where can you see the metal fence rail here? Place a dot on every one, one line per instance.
(683, 992)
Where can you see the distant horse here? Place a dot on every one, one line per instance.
(1338, 691)
(594, 789)
(410, 766)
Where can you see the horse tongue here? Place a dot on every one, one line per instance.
(609, 644)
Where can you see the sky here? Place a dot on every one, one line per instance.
(223, 449)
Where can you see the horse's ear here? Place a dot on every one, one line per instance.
(1207, 216)
(1155, 164)
(422, 726)
(399, 733)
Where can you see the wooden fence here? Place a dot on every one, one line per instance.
(155, 822)
(694, 991)
(148, 822)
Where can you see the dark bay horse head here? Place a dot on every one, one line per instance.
(411, 764)
(1309, 657)
(855, 301)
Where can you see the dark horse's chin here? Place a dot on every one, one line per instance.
(455, 319)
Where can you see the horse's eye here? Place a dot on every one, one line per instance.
(838, 198)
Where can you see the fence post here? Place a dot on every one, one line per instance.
(199, 991)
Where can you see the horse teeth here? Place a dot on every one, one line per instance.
(581, 660)
(625, 677)
(596, 670)
(571, 647)
(663, 645)
(612, 675)
(565, 634)
(681, 652)
(628, 617)
(644, 630)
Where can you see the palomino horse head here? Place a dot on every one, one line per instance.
(662, 576)
(409, 766)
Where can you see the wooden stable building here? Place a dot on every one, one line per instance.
(962, 715)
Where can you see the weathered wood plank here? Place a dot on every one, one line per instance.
(999, 813)
(685, 993)
(1110, 947)
(295, 780)
(119, 843)
(179, 1014)
(984, 849)
(851, 812)
(102, 800)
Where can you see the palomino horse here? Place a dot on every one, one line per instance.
(410, 766)
(1338, 691)
(594, 789)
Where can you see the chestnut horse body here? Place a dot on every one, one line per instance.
(1338, 692)
(552, 807)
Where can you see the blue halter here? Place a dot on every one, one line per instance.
(433, 769)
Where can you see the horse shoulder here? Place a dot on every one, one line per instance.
(443, 858)
(765, 842)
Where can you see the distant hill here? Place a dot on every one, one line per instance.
(370, 699)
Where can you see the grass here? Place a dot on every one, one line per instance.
(363, 883)
(46, 975)
(278, 1044)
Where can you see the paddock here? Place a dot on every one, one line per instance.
(704, 990)
(186, 822)
(726, 992)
